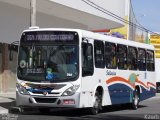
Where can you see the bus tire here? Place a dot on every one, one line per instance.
(135, 100)
(97, 106)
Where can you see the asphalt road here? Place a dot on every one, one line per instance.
(148, 109)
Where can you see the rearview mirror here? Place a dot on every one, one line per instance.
(13, 47)
(10, 53)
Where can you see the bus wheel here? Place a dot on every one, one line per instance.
(97, 106)
(135, 101)
(44, 110)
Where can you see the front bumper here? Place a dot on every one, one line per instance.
(48, 101)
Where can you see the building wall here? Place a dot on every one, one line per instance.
(155, 40)
(115, 6)
(44, 21)
(79, 11)
(13, 20)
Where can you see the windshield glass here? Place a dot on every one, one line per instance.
(50, 63)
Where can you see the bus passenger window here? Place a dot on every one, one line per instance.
(87, 59)
(150, 60)
(99, 54)
(141, 59)
(110, 55)
(122, 56)
(132, 58)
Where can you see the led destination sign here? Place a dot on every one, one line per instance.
(50, 36)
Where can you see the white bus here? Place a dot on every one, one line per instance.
(72, 68)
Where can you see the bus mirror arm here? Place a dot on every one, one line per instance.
(85, 39)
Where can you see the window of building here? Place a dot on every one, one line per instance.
(141, 59)
(99, 54)
(87, 59)
(150, 60)
(110, 55)
(122, 56)
(132, 58)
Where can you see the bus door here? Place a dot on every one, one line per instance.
(87, 72)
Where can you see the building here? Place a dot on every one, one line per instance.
(132, 29)
(15, 17)
(155, 40)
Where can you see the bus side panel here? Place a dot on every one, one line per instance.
(86, 96)
(120, 86)
(149, 88)
(147, 93)
(120, 93)
(90, 84)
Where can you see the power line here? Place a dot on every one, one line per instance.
(110, 13)
(138, 22)
(134, 14)
(114, 15)
(94, 5)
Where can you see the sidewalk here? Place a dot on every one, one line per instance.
(158, 94)
(6, 101)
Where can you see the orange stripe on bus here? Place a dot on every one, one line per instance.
(120, 79)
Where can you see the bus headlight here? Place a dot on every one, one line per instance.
(21, 89)
(71, 91)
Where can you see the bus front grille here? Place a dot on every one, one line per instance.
(45, 100)
(41, 93)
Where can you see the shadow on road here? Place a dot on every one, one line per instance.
(74, 114)
(80, 114)
(91, 117)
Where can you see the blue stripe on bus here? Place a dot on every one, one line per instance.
(147, 93)
(121, 93)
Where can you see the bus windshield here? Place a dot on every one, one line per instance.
(48, 62)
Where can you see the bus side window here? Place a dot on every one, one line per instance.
(132, 58)
(141, 59)
(99, 54)
(110, 55)
(122, 57)
(87, 59)
(150, 60)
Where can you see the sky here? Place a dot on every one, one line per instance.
(147, 13)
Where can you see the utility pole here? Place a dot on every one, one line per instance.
(32, 12)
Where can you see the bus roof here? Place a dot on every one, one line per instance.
(96, 36)
(112, 39)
